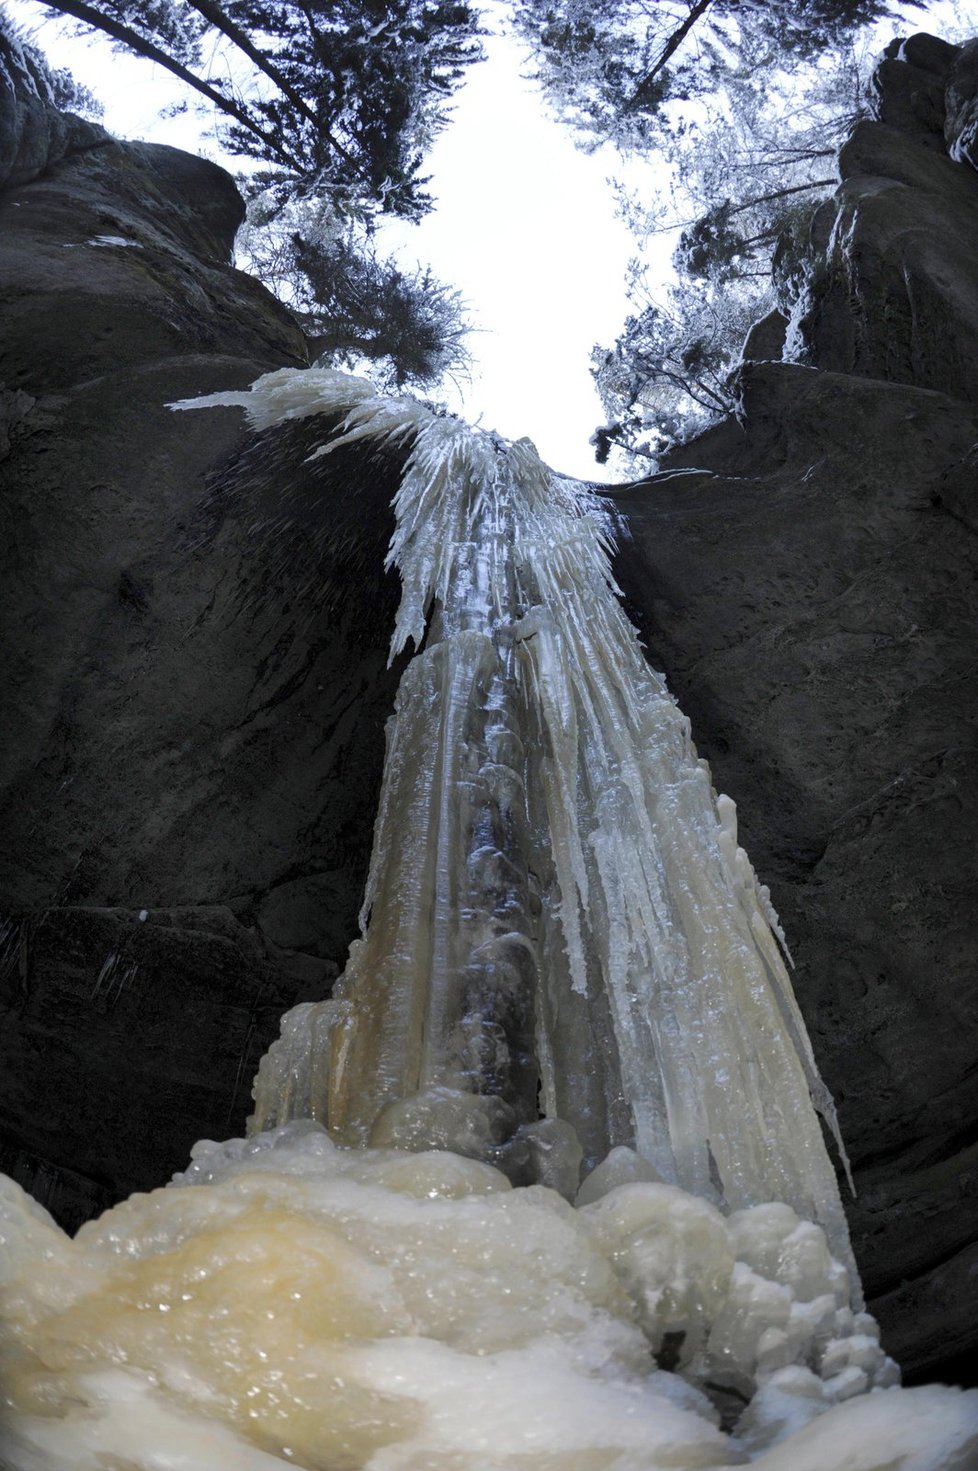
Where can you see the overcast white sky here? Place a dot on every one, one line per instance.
(524, 226)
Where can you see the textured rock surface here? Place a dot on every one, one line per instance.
(33, 133)
(812, 595)
(893, 295)
(961, 98)
(97, 1004)
(194, 679)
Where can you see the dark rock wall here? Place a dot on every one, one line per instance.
(195, 627)
(194, 678)
(893, 295)
(806, 575)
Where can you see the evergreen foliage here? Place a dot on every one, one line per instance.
(357, 307)
(666, 376)
(745, 106)
(360, 305)
(337, 101)
(53, 85)
(611, 68)
(338, 96)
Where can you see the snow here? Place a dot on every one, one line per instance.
(114, 240)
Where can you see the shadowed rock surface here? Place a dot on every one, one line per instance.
(893, 296)
(194, 674)
(806, 575)
(196, 627)
(33, 133)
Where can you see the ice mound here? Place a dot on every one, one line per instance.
(289, 1301)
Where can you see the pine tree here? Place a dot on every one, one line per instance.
(359, 309)
(666, 377)
(610, 68)
(745, 107)
(338, 101)
(54, 86)
(341, 97)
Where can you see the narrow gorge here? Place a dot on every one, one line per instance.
(196, 629)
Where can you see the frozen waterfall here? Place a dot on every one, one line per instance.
(556, 899)
(566, 968)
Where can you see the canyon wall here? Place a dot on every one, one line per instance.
(194, 673)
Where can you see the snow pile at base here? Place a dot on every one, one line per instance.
(291, 1302)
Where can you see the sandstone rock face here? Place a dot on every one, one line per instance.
(194, 675)
(893, 294)
(961, 98)
(806, 575)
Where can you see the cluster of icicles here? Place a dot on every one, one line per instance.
(542, 1185)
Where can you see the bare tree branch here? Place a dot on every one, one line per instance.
(782, 194)
(668, 51)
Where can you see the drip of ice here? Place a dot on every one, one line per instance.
(564, 953)
(557, 904)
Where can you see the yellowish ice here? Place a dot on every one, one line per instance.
(291, 1302)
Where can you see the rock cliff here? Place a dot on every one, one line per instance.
(195, 627)
(806, 575)
(193, 707)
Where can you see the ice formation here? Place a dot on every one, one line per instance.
(292, 1302)
(566, 960)
(557, 900)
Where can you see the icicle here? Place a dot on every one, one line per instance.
(586, 884)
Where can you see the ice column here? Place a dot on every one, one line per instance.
(558, 919)
(430, 1036)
